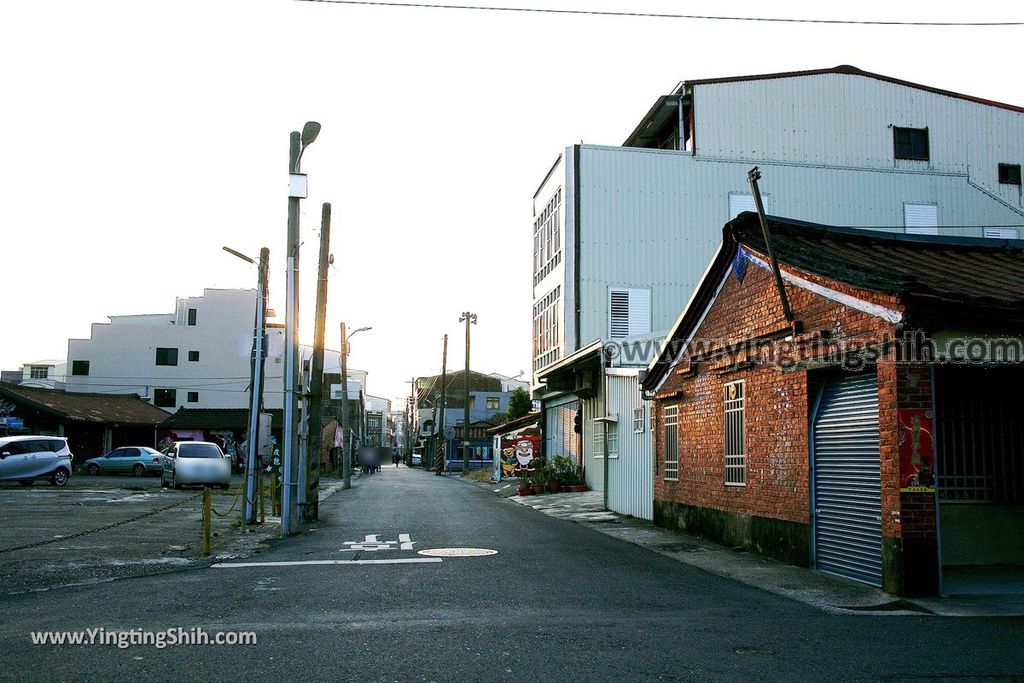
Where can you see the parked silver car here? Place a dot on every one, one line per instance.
(195, 463)
(27, 458)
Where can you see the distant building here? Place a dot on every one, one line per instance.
(199, 356)
(42, 374)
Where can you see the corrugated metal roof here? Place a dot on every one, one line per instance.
(86, 407)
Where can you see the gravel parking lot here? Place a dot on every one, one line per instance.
(152, 543)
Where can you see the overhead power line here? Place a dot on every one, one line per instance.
(660, 15)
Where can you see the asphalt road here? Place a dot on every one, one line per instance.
(558, 601)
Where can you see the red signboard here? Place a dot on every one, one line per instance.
(917, 451)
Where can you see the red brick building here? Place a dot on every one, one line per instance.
(844, 438)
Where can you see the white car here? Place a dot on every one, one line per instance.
(27, 458)
(195, 463)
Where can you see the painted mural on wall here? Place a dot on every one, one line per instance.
(519, 454)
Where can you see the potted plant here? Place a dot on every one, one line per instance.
(575, 482)
(525, 486)
(558, 470)
(538, 478)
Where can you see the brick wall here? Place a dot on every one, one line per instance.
(777, 401)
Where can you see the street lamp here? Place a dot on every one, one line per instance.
(298, 142)
(256, 380)
(346, 447)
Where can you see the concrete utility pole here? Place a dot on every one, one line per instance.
(439, 465)
(468, 318)
(346, 449)
(296, 191)
(256, 404)
(311, 512)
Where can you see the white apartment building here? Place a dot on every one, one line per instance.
(622, 234)
(195, 357)
(44, 374)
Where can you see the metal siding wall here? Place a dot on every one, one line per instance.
(631, 475)
(653, 218)
(844, 120)
(593, 466)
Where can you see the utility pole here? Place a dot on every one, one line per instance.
(256, 383)
(346, 449)
(296, 191)
(311, 512)
(439, 465)
(409, 438)
(468, 318)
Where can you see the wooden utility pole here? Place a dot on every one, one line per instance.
(311, 511)
(468, 318)
(259, 355)
(439, 465)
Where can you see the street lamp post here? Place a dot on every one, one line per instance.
(256, 379)
(346, 444)
(296, 191)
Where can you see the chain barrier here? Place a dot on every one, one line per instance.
(238, 495)
(102, 528)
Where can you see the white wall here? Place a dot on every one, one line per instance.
(122, 353)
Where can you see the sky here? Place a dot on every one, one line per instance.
(139, 138)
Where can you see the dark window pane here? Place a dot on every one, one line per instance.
(166, 356)
(193, 356)
(165, 398)
(14, 448)
(1009, 174)
(193, 397)
(191, 316)
(80, 368)
(911, 143)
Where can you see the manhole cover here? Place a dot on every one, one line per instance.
(458, 552)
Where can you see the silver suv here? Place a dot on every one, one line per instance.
(27, 458)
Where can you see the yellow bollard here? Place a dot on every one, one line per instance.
(207, 514)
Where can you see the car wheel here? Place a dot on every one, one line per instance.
(60, 477)
(93, 470)
(139, 470)
(25, 482)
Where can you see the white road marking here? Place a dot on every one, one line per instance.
(458, 552)
(299, 563)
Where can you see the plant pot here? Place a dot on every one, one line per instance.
(554, 486)
(538, 489)
(525, 490)
(578, 488)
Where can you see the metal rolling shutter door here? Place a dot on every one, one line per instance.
(847, 480)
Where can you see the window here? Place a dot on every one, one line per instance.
(193, 397)
(80, 368)
(192, 316)
(638, 420)
(910, 143)
(613, 439)
(546, 344)
(166, 356)
(629, 312)
(921, 219)
(1009, 174)
(38, 372)
(735, 434)
(547, 238)
(165, 398)
(670, 415)
(493, 403)
(1001, 233)
(193, 356)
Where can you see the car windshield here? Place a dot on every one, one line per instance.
(199, 450)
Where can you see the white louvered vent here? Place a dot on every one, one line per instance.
(738, 203)
(921, 219)
(1001, 233)
(629, 312)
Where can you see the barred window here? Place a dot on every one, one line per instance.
(670, 415)
(734, 402)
